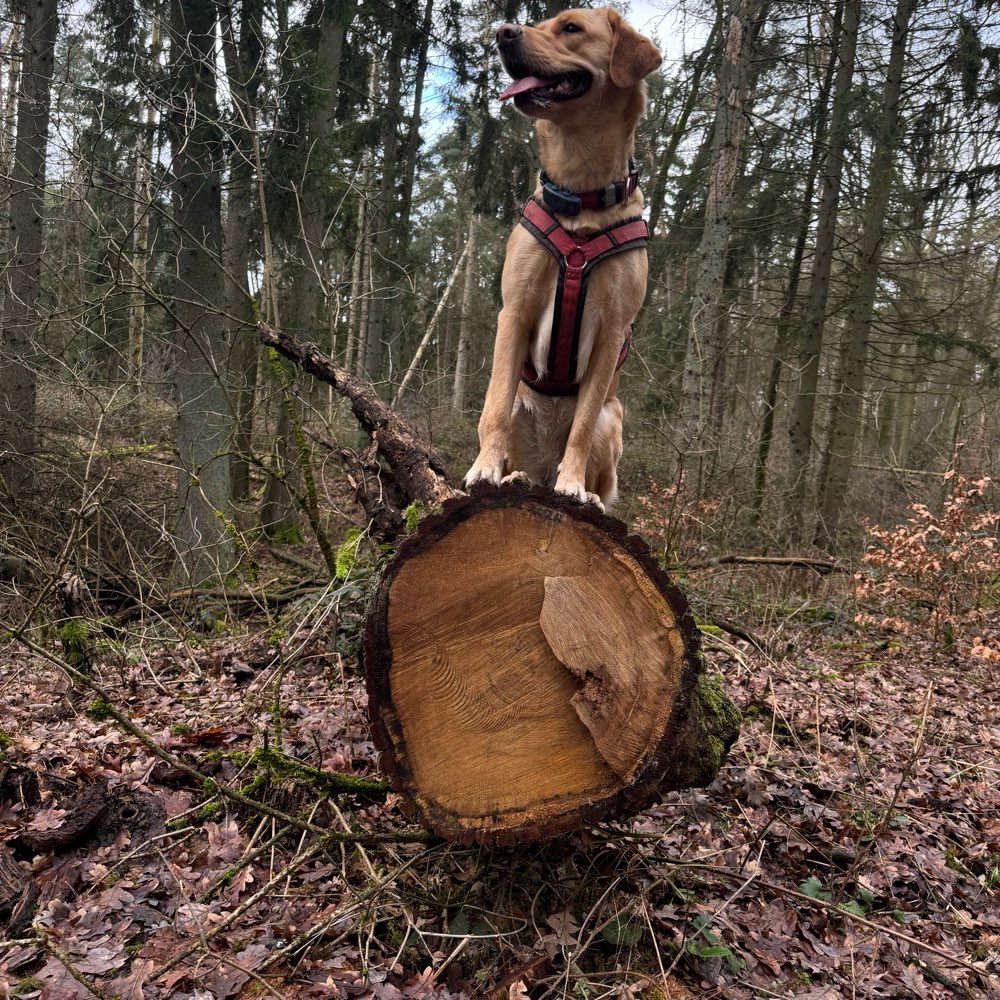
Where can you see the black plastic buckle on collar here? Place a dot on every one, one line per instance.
(559, 199)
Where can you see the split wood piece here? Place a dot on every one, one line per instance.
(531, 669)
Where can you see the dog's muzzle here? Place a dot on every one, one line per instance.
(535, 84)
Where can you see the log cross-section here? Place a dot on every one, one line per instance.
(530, 669)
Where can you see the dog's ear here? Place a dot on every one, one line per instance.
(633, 56)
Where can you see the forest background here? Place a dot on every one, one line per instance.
(818, 345)
(811, 417)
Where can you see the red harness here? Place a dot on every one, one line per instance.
(576, 255)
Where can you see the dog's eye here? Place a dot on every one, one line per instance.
(571, 26)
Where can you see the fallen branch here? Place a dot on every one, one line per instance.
(418, 473)
(741, 633)
(821, 566)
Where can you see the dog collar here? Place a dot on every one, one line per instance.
(565, 202)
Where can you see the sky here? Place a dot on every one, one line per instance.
(665, 21)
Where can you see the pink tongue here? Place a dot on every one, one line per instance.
(525, 83)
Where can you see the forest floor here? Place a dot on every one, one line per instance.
(850, 847)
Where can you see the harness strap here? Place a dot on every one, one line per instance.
(576, 255)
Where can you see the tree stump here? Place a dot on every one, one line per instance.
(531, 669)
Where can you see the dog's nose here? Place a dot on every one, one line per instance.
(508, 32)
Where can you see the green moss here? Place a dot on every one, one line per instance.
(75, 635)
(5, 739)
(328, 781)
(347, 553)
(100, 709)
(287, 534)
(412, 516)
(722, 717)
(208, 811)
(27, 985)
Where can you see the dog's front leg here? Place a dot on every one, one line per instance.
(526, 273)
(595, 389)
(494, 425)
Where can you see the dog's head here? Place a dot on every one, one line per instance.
(573, 62)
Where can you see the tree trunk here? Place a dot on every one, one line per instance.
(140, 220)
(357, 268)
(531, 669)
(431, 326)
(18, 372)
(244, 65)
(848, 400)
(465, 329)
(385, 237)
(706, 319)
(309, 302)
(677, 129)
(205, 547)
(278, 511)
(800, 430)
(413, 138)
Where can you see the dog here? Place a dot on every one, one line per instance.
(574, 274)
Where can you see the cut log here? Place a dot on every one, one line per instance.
(531, 669)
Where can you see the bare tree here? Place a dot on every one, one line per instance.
(205, 544)
(803, 415)
(704, 349)
(21, 320)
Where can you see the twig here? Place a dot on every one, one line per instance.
(821, 566)
(935, 974)
(235, 914)
(331, 918)
(741, 633)
(226, 876)
(47, 941)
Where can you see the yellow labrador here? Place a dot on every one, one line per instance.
(575, 270)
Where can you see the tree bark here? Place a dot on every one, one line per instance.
(530, 669)
(18, 364)
(244, 71)
(140, 220)
(418, 473)
(704, 348)
(789, 312)
(205, 547)
(465, 328)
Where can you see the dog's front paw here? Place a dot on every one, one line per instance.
(484, 471)
(579, 493)
(516, 477)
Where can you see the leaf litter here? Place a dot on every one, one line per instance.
(849, 848)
